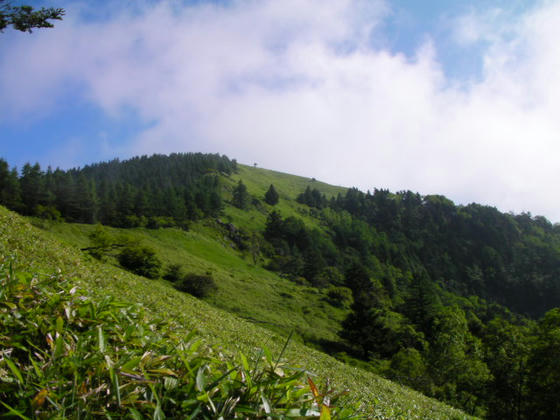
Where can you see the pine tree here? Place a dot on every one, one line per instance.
(357, 326)
(10, 193)
(271, 197)
(31, 188)
(240, 196)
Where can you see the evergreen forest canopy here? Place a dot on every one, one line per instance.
(440, 297)
(144, 191)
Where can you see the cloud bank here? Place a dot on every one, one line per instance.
(301, 86)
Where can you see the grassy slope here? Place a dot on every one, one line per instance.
(244, 289)
(38, 251)
(288, 187)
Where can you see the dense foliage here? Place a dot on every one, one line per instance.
(153, 191)
(64, 355)
(141, 260)
(408, 260)
(196, 284)
(471, 250)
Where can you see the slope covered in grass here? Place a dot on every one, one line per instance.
(37, 251)
(245, 289)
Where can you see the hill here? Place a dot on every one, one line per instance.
(39, 252)
(440, 297)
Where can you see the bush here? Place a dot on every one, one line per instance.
(197, 285)
(173, 272)
(140, 260)
(156, 222)
(48, 213)
(339, 296)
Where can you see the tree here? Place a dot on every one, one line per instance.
(507, 349)
(271, 197)
(408, 366)
(544, 369)
(10, 194)
(456, 361)
(240, 196)
(32, 190)
(25, 18)
(358, 328)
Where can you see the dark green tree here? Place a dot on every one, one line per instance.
(86, 200)
(10, 193)
(241, 197)
(456, 361)
(32, 188)
(544, 369)
(26, 18)
(271, 197)
(507, 349)
(357, 327)
(197, 285)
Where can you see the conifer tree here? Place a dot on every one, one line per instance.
(31, 187)
(240, 196)
(271, 197)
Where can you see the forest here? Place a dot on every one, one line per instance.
(457, 301)
(144, 191)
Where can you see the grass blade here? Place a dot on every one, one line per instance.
(14, 370)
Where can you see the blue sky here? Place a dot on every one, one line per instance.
(450, 97)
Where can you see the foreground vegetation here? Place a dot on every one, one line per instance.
(67, 355)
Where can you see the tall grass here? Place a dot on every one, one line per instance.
(66, 355)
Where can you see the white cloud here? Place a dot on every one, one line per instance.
(295, 86)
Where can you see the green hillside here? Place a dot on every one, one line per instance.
(443, 298)
(41, 252)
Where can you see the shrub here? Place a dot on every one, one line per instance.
(339, 296)
(156, 222)
(408, 367)
(197, 285)
(173, 272)
(48, 213)
(140, 260)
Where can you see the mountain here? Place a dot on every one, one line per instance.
(440, 297)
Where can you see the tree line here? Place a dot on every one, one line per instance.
(143, 191)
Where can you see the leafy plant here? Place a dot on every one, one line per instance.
(141, 260)
(197, 285)
(173, 272)
(65, 355)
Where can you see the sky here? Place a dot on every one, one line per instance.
(459, 98)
